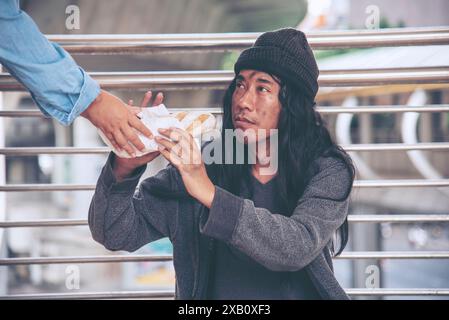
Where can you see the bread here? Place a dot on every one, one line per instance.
(197, 123)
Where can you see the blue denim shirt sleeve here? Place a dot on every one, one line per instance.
(59, 87)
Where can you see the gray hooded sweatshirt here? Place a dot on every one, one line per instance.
(123, 218)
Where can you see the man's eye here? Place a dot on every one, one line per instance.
(263, 89)
(239, 85)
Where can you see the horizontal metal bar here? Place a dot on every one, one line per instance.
(394, 255)
(44, 223)
(152, 258)
(37, 113)
(170, 294)
(46, 187)
(216, 79)
(33, 151)
(386, 69)
(175, 43)
(382, 109)
(397, 218)
(93, 295)
(84, 259)
(383, 31)
(354, 218)
(323, 110)
(398, 292)
(357, 184)
(397, 146)
(95, 38)
(398, 183)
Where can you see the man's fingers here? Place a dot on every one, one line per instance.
(139, 126)
(113, 142)
(146, 99)
(183, 138)
(190, 148)
(181, 149)
(170, 156)
(123, 143)
(158, 100)
(182, 133)
(129, 149)
(135, 110)
(132, 137)
(167, 144)
(176, 134)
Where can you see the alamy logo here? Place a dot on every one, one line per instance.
(72, 22)
(373, 278)
(72, 281)
(372, 21)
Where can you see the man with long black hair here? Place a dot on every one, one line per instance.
(240, 231)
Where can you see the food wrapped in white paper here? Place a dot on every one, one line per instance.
(196, 123)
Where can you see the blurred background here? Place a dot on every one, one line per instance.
(214, 16)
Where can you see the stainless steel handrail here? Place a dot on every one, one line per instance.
(84, 259)
(93, 295)
(140, 258)
(353, 218)
(33, 151)
(398, 292)
(207, 42)
(398, 218)
(393, 255)
(323, 110)
(357, 184)
(170, 294)
(215, 79)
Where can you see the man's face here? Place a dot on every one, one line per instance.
(255, 103)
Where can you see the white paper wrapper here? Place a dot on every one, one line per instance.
(195, 122)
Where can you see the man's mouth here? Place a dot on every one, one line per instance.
(243, 119)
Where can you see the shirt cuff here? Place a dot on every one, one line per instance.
(88, 93)
(223, 215)
(109, 182)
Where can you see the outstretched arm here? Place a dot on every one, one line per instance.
(60, 88)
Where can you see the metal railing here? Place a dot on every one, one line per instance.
(216, 79)
(178, 80)
(170, 294)
(398, 183)
(207, 42)
(353, 218)
(145, 258)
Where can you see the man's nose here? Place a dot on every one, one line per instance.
(246, 101)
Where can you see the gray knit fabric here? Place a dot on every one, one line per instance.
(121, 218)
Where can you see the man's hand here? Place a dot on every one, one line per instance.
(111, 115)
(181, 150)
(123, 167)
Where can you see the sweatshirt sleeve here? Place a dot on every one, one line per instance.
(123, 218)
(278, 242)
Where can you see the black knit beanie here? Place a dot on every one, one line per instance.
(286, 54)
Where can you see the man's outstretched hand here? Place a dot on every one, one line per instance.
(112, 116)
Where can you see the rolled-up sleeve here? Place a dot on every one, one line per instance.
(60, 88)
